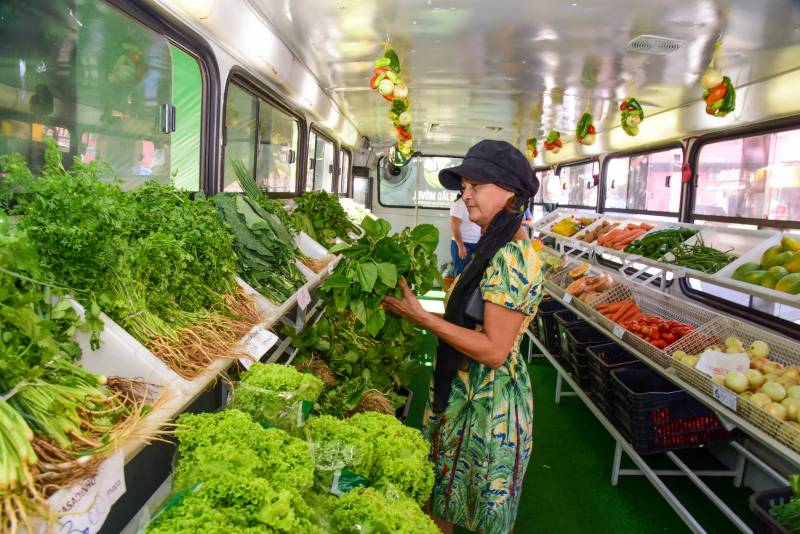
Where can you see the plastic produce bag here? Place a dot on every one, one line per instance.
(342, 455)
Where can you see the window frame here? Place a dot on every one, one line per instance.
(777, 126)
(348, 193)
(630, 154)
(379, 172)
(538, 171)
(315, 128)
(575, 163)
(194, 44)
(247, 83)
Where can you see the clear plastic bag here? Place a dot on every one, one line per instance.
(286, 410)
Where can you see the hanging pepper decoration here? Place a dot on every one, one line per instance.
(585, 132)
(386, 80)
(530, 148)
(719, 94)
(553, 142)
(631, 117)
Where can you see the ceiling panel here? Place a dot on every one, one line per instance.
(526, 67)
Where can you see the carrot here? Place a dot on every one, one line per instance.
(609, 236)
(630, 314)
(627, 305)
(611, 306)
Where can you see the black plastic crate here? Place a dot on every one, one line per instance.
(579, 339)
(565, 320)
(657, 416)
(760, 504)
(546, 325)
(602, 360)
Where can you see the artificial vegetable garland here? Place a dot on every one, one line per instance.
(719, 94)
(585, 131)
(631, 117)
(530, 148)
(553, 142)
(387, 82)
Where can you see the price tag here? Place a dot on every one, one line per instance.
(567, 298)
(257, 342)
(303, 298)
(634, 259)
(725, 396)
(85, 506)
(618, 331)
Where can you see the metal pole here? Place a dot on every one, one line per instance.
(735, 519)
(760, 464)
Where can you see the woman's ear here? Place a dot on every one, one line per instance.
(512, 206)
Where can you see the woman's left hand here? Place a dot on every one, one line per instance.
(408, 307)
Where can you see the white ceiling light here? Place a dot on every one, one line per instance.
(199, 9)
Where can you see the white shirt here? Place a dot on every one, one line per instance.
(470, 232)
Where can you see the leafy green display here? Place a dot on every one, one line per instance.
(321, 216)
(401, 455)
(233, 504)
(265, 250)
(338, 445)
(284, 461)
(368, 511)
(277, 395)
(254, 193)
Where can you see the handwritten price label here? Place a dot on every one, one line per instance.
(257, 342)
(85, 507)
(567, 298)
(303, 298)
(725, 396)
(618, 331)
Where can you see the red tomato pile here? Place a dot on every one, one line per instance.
(657, 331)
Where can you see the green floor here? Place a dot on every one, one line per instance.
(567, 486)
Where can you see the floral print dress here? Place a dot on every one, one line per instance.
(482, 442)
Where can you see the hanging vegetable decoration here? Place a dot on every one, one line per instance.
(387, 82)
(530, 148)
(553, 142)
(719, 94)
(631, 117)
(585, 132)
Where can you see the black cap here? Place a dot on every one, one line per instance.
(497, 162)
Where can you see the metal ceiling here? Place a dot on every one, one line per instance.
(527, 66)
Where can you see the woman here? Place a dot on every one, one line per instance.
(465, 235)
(480, 412)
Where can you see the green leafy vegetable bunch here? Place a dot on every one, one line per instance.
(321, 216)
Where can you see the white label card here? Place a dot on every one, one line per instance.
(618, 331)
(634, 259)
(84, 507)
(714, 362)
(303, 298)
(567, 298)
(258, 341)
(725, 396)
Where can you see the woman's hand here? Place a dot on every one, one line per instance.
(408, 307)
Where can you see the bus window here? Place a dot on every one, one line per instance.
(187, 97)
(645, 182)
(278, 140)
(550, 185)
(397, 186)
(344, 172)
(755, 177)
(241, 112)
(263, 138)
(578, 187)
(91, 78)
(320, 163)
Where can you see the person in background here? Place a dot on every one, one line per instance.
(527, 221)
(465, 235)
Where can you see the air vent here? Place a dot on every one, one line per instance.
(654, 44)
(470, 131)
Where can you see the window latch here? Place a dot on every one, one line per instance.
(166, 118)
(292, 156)
(667, 181)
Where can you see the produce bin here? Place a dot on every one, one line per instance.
(602, 360)
(656, 415)
(578, 340)
(546, 327)
(565, 320)
(760, 504)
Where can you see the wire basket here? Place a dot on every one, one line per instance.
(652, 303)
(782, 350)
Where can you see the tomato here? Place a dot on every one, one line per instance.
(590, 130)
(654, 320)
(623, 106)
(660, 344)
(717, 93)
(656, 334)
(669, 337)
(635, 328)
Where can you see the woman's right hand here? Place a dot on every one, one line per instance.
(462, 251)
